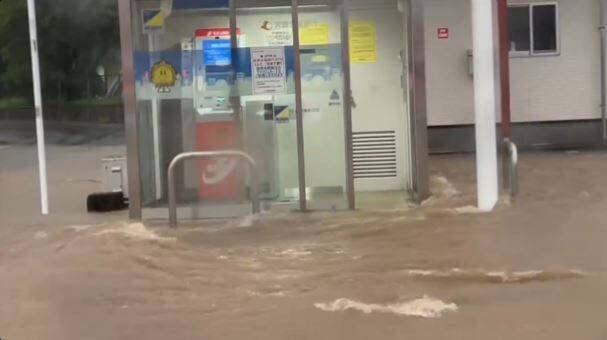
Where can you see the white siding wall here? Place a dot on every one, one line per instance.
(450, 94)
(563, 87)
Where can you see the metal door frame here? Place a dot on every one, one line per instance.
(417, 88)
(418, 127)
(131, 114)
(348, 101)
(343, 13)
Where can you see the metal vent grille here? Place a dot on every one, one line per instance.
(374, 154)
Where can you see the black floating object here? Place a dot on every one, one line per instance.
(106, 202)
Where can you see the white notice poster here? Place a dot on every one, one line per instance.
(269, 70)
(277, 33)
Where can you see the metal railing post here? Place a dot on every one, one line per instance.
(211, 154)
(513, 167)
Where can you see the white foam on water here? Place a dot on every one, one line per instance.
(497, 276)
(410, 217)
(529, 274)
(503, 276)
(41, 235)
(425, 307)
(420, 272)
(255, 293)
(442, 187)
(249, 221)
(295, 253)
(430, 201)
(301, 252)
(136, 231)
(79, 228)
(469, 209)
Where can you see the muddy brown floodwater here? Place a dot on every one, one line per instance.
(534, 269)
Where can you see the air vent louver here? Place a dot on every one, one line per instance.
(374, 154)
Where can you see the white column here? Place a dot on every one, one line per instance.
(31, 11)
(484, 104)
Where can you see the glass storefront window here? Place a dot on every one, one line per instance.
(323, 107)
(268, 99)
(224, 75)
(198, 92)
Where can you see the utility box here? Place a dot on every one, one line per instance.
(114, 175)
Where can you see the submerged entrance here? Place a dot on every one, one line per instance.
(272, 81)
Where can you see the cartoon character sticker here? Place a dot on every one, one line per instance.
(164, 76)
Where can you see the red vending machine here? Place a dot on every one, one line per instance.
(217, 128)
(220, 178)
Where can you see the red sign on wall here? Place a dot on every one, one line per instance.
(443, 33)
(220, 33)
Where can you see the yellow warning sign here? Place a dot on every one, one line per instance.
(314, 34)
(363, 42)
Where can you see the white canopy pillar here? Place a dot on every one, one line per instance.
(484, 104)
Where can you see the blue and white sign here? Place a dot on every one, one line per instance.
(153, 20)
(200, 4)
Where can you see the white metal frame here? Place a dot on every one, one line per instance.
(43, 177)
(531, 53)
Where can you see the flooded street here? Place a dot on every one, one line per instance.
(534, 269)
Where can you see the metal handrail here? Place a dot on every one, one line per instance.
(513, 169)
(211, 154)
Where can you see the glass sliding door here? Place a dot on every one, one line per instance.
(323, 94)
(267, 96)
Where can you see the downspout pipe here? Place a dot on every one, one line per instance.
(504, 55)
(603, 30)
(505, 101)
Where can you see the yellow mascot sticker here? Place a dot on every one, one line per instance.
(164, 76)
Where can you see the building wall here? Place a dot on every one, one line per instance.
(549, 88)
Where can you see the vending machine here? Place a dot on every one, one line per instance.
(217, 126)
